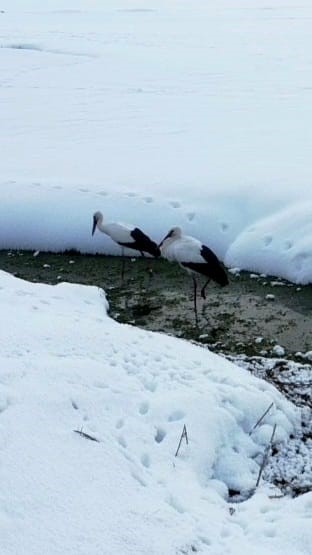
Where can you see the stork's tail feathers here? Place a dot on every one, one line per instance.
(154, 250)
(216, 270)
(220, 276)
(145, 243)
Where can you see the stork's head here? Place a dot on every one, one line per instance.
(172, 235)
(97, 218)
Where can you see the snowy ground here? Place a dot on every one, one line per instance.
(66, 366)
(159, 114)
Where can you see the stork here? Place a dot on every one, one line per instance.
(195, 258)
(126, 236)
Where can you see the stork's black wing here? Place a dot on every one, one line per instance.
(144, 243)
(216, 270)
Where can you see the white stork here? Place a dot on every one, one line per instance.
(126, 236)
(195, 258)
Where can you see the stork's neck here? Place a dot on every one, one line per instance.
(167, 244)
(101, 226)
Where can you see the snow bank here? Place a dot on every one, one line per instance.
(65, 366)
(160, 114)
(279, 244)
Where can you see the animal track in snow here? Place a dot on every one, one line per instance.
(120, 423)
(74, 405)
(150, 386)
(205, 540)
(4, 404)
(148, 200)
(103, 193)
(175, 204)
(145, 460)
(267, 240)
(144, 408)
(269, 532)
(176, 415)
(288, 245)
(224, 227)
(22, 293)
(122, 442)
(190, 216)
(160, 435)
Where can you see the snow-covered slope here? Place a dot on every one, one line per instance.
(169, 113)
(65, 366)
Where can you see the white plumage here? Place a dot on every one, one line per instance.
(194, 257)
(181, 248)
(126, 236)
(117, 231)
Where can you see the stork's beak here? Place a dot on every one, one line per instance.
(94, 225)
(164, 239)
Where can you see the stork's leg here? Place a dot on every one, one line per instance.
(122, 265)
(148, 268)
(202, 291)
(195, 300)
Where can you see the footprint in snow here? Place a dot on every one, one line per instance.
(190, 216)
(120, 423)
(175, 204)
(144, 408)
(150, 386)
(288, 245)
(4, 404)
(122, 442)
(145, 460)
(176, 415)
(160, 435)
(267, 240)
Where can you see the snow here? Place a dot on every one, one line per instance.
(159, 114)
(66, 367)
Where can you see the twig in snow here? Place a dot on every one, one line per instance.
(183, 435)
(261, 418)
(86, 436)
(266, 456)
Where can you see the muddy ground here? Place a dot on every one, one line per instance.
(251, 315)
